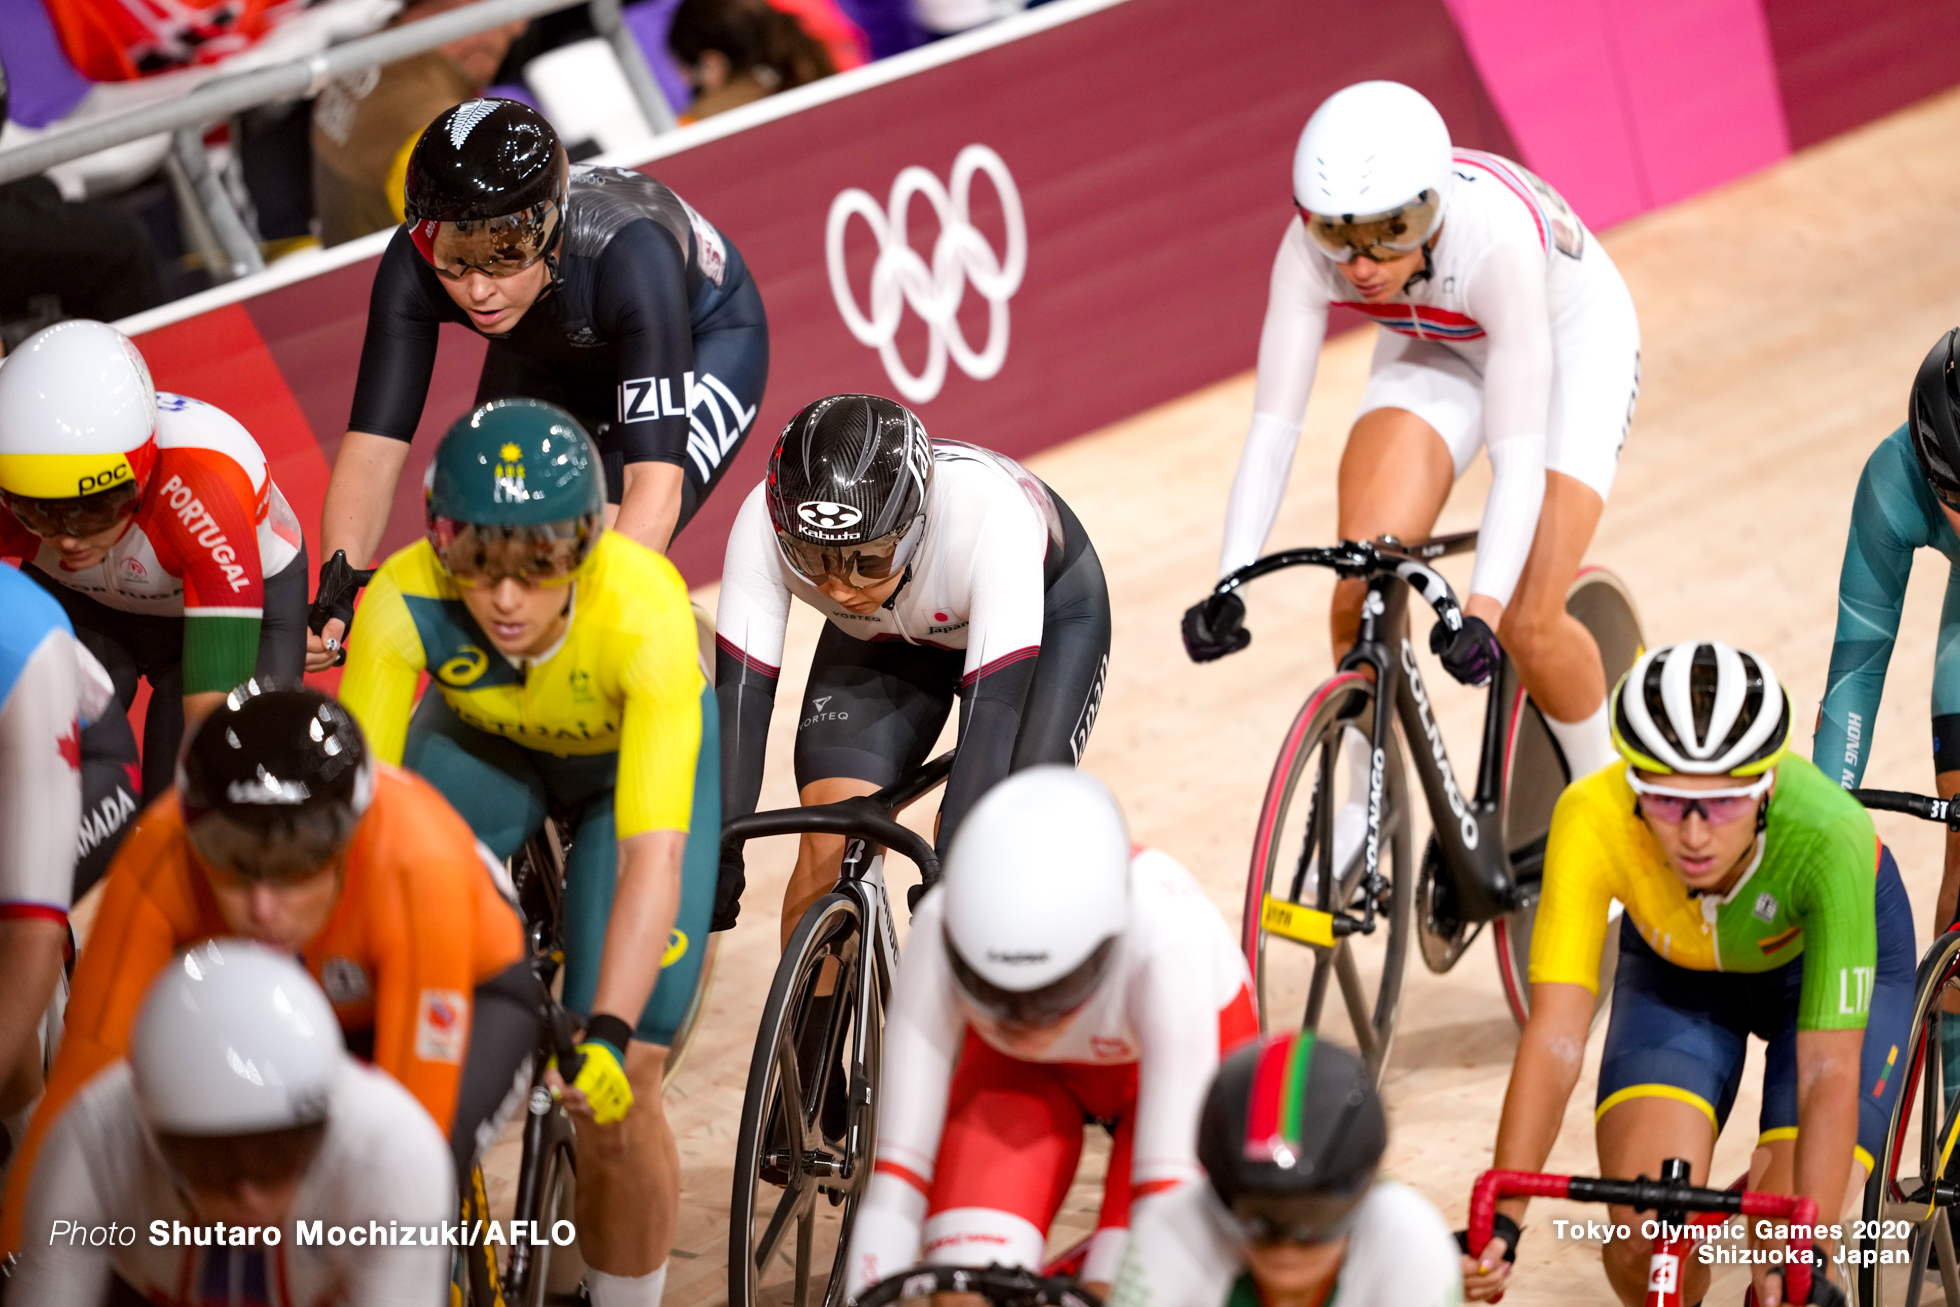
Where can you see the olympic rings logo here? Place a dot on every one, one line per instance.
(901, 277)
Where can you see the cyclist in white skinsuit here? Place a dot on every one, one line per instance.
(47, 682)
(175, 1135)
(1505, 326)
(1059, 974)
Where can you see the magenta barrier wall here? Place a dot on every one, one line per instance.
(1149, 144)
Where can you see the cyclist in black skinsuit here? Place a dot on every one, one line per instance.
(599, 289)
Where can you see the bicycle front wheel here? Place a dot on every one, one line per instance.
(1905, 1245)
(1309, 853)
(804, 1151)
(1537, 776)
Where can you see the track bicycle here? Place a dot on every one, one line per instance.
(1916, 1179)
(1003, 1286)
(1485, 854)
(804, 1150)
(548, 1167)
(1686, 1214)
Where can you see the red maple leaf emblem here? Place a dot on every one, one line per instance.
(69, 747)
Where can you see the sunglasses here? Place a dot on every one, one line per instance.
(1717, 807)
(75, 517)
(1379, 236)
(508, 245)
(855, 565)
(481, 557)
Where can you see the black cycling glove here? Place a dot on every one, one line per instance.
(1470, 653)
(1501, 1227)
(1215, 627)
(1822, 1292)
(729, 885)
(340, 581)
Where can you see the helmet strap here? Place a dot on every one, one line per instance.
(903, 581)
(1428, 270)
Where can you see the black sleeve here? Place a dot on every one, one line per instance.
(746, 697)
(642, 304)
(990, 721)
(399, 351)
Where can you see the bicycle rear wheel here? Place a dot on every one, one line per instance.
(1905, 1244)
(1604, 606)
(797, 1180)
(1311, 821)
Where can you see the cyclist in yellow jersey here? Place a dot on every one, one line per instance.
(564, 662)
(1758, 902)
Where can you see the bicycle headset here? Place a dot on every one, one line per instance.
(486, 190)
(847, 485)
(1291, 1136)
(1372, 172)
(1037, 892)
(1933, 418)
(1701, 708)
(274, 782)
(78, 430)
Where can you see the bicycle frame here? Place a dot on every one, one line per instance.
(1678, 1207)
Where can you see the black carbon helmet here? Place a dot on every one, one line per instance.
(848, 470)
(1933, 418)
(484, 159)
(1291, 1136)
(274, 781)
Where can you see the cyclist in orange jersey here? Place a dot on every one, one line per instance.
(282, 829)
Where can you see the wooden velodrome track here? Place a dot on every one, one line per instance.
(1779, 342)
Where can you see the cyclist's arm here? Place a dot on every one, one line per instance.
(924, 1028)
(1289, 353)
(383, 667)
(398, 355)
(1507, 295)
(1175, 1014)
(1008, 594)
(399, 1171)
(749, 624)
(1890, 516)
(64, 1186)
(203, 529)
(642, 305)
(40, 815)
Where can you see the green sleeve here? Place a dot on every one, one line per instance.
(221, 651)
(1837, 907)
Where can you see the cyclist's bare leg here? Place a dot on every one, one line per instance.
(1634, 1138)
(1396, 473)
(1556, 657)
(1773, 1169)
(818, 857)
(629, 1176)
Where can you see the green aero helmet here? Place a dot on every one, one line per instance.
(515, 490)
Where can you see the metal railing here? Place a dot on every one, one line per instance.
(224, 97)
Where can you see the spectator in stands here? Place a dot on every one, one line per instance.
(365, 124)
(737, 51)
(67, 260)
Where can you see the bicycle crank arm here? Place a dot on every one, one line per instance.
(1310, 926)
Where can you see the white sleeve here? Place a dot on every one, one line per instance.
(1289, 354)
(924, 1029)
(56, 1273)
(41, 799)
(407, 1177)
(1175, 1016)
(1007, 590)
(754, 606)
(1507, 295)
(1401, 1253)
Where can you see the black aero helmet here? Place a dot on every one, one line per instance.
(1291, 1136)
(847, 482)
(486, 188)
(1933, 418)
(273, 782)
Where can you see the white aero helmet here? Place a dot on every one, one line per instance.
(1372, 171)
(1701, 708)
(1037, 895)
(234, 1039)
(78, 414)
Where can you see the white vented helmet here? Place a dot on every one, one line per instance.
(234, 1039)
(78, 413)
(1370, 151)
(1701, 708)
(1037, 892)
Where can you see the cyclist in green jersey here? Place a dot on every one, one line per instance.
(1758, 902)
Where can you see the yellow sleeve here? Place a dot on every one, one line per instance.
(384, 660)
(1570, 930)
(660, 681)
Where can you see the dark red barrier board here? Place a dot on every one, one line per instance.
(1090, 201)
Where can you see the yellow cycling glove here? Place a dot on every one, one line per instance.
(602, 1075)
